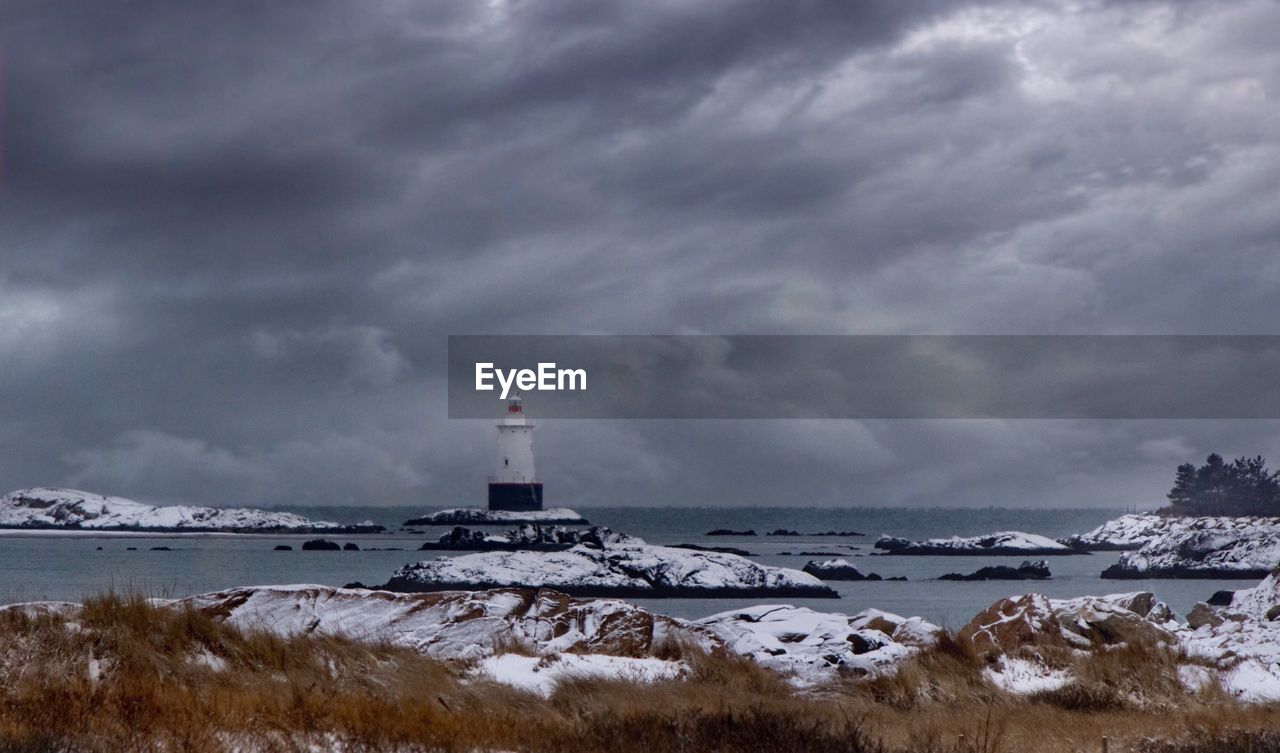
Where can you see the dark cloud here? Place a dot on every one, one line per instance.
(234, 235)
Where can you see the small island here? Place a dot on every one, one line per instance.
(47, 508)
(1221, 522)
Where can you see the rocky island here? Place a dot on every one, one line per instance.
(1005, 544)
(1026, 571)
(619, 566)
(476, 516)
(73, 510)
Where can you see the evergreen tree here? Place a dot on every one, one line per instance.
(1242, 487)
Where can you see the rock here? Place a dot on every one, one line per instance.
(721, 549)
(727, 532)
(1115, 619)
(796, 639)
(1234, 552)
(1201, 614)
(1026, 571)
(621, 566)
(283, 548)
(1220, 598)
(161, 549)
(530, 537)
(1014, 622)
(1034, 620)
(477, 517)
(1131, 532)
(53, 508)
(350, 547)
(457, 625)
(838, 569)
(784, 532)
(321, 545)
(1005, 543)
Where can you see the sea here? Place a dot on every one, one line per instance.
(40, 566)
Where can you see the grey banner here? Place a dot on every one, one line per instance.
(872, 376)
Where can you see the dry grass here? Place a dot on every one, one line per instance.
(122, 674)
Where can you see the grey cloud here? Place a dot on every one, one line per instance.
(354, 181)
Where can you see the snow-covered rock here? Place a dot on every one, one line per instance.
(456, 625)
(623, 566)
(478, 517)
(1229, 552)
(49, 508)
(1130, 532)
(528, 537)
(1084, 622)
(1004, 543)
(800, 641)
(1242, 640)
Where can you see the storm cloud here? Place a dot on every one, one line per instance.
(235, 236)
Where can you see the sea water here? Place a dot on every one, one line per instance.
(43, 565)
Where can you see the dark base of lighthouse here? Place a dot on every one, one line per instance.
(515, 497)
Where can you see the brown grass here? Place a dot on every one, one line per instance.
(178, 680)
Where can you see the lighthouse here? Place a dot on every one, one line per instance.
(515, 487)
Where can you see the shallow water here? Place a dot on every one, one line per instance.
(43, 566)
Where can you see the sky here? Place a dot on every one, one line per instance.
(234, 236)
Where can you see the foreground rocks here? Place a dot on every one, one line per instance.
(795, 639)
(456, 625)
(1035, 620)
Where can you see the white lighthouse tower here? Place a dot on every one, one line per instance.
(515, 486)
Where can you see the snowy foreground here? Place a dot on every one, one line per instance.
(69, 509)
(615, 565)
(534, 639)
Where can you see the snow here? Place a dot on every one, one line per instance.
(624, 565)
(1220, 550)
(454, 625)
(1132, 531)
(50, 508)
(1253, 681)
(802, 642)
(1195, 677)
(1003, 542)
(1023, 676)
(541, 674)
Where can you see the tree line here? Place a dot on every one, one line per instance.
(1241, 487)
